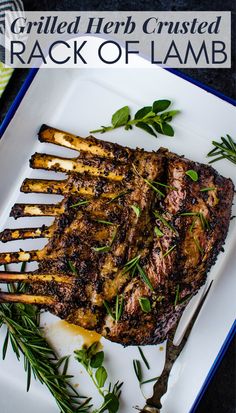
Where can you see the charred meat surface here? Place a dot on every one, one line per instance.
(132, 241)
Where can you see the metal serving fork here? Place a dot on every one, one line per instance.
(172, 352)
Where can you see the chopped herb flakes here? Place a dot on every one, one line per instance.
(80, 203)
(176, 295)
(158, 232)
(192, 174)
(72, 268)
(169, 250)
(208, 189)
(145, 304)
(164, 222)
(117, 312)
(137, 210)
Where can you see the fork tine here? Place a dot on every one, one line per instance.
(9, 277)
(27, 299)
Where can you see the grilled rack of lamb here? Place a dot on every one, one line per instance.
(132, 228)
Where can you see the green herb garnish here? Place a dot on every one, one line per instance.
(119, 196)
(72, 267)
(197, 243)
(169, 250)
(80, 203)
(101, 221)
(92, 360)
(176, 295)
(145, 304)
(144, 276)
(105, 248)
(158, 232)
(226, 149)
(143, 357)
(137, 210)
(26, 338)
(138, 370)
(166, 186)
(133, 266)
(147, 181)
(200, 215)
(119, 306)
(152, 119)
(208, 189)
(150, 183)
(164, 222)
(192, 174)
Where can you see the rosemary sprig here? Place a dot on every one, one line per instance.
(204, 222)
(150, 183)
(208, 189)
(176, 295)
(169, 250)
(144, 277)
(138, 370)
(152, 119)
(101, 221)
(92, 360)
(197, 243)
(133, 266)
(165, 185)
(164, 222)
(25, 336)
(119, 306)
(144, 358)
(80, 203)
(72, 267)
(130, 266)
(226, 149)
(120, 195)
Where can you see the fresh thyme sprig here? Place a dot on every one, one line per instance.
(92, 360)
(25, 336)
(152, 119)
(226, 149)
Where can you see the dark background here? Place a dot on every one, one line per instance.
(220, 396)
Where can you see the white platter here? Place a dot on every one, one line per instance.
(77, 101)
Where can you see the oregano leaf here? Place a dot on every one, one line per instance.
(146, 127)
(101, 376)
(120, 117)
(142, 112)
(160, 105)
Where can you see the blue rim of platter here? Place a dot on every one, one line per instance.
(8, 118)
